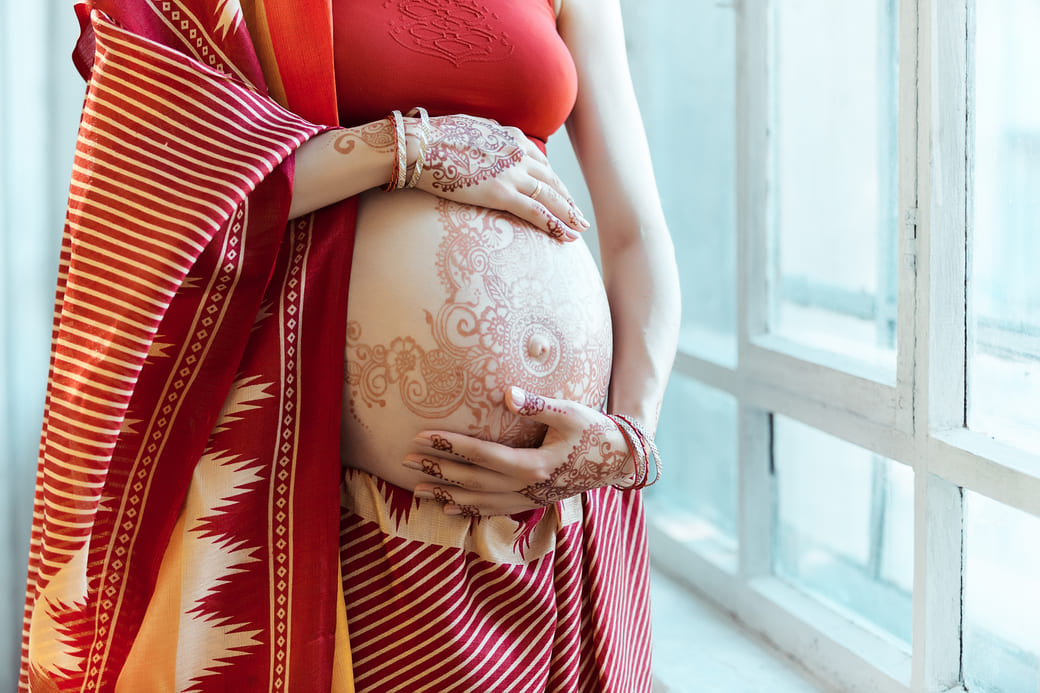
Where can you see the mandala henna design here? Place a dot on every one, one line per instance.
(511, 314)
(465, 151)
(592, 462)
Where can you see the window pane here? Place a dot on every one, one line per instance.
(697, 437)
(689, 108)
(845, 525)
(834, 177)
(1001, 599)
(1005, 284)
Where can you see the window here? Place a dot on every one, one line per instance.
(852, 430)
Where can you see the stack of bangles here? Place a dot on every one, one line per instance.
(642, 448)
(399, 179)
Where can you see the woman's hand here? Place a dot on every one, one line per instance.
(582, 450)
(480, 162)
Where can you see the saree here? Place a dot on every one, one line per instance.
(189, 530)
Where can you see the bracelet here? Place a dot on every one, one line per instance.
(401, 162)
(642, 448)
(424, 143)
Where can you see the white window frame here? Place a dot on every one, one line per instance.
(918, 421)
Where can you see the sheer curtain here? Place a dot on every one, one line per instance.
(40, 94)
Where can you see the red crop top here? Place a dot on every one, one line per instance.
(500, 59)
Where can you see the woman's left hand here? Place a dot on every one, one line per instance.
(582, 450)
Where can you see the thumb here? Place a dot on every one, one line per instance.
(546, 410)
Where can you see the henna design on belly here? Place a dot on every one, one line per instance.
(513, 313)
(590, 463)
(465, 151)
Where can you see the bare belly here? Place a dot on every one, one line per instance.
(451, 304)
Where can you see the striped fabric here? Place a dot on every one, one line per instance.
(154, 296)
(425, 616)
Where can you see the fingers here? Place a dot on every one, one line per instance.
(468, 503)
(480, 455)
(443, 470)
(554, 413)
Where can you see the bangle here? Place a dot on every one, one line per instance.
(642, 448)
(401, 161)
(424, 143)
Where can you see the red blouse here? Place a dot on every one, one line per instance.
(500, 59)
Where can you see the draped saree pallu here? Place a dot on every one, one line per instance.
(189, 533)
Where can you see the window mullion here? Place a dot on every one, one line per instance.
(939, 350)
(755, 479)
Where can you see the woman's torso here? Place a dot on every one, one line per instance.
(449, 304)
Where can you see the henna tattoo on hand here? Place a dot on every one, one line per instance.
(432, 468)
(442, 495)
(465, 151)
(468, 510)
(533, 404)
(376, 135)
(592, 462)
(440, 443)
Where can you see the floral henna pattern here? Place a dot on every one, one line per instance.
(592, 463)
(533, 404)
(468, 510)
(431, 468)
(465, 151)
(511, 314)
(442, 495)
(441, 443)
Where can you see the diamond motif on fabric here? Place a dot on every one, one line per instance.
(454, 30)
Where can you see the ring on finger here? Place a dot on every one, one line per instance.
(537, 190)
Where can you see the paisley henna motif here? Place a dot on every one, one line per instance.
(465, 151)
(378, 135)
(511, 314)
(591, 463)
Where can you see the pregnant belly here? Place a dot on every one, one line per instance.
(451, 304)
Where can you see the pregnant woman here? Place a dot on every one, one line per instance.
(305, 434)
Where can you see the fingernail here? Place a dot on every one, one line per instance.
(452, 510)
(517, 395)
(571, 235)
(424, 494)
(412, 464)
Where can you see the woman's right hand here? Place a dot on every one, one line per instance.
(480, 162)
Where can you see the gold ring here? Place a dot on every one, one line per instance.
(537, 190)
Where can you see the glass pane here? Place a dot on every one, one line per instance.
(689, 106)
(834, 177)
(1001, 599)
(697, 437)
(1005, 285)
(845, 525)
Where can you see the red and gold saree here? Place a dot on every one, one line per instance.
(188, 530)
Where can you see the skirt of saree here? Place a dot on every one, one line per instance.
(554, 601)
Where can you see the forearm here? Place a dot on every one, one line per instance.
(643, 288)
(341, 163)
